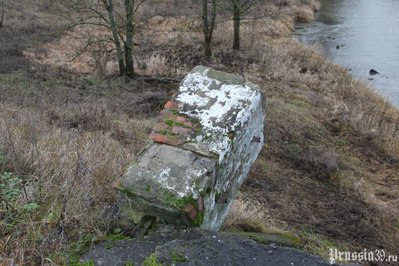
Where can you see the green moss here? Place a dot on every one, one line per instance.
(177, 257)
(199, 219)
(175, 112)
(117, 237)
(151, 260)
(178, 202)
(181, 203)
(112, 239)
(129, 263)
(169, 122)
(127, 192)
(282, 239)
(172, 123)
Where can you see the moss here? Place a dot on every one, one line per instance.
(182, 202)
(112, 239)
(176, 112)
(117, 237)
(177, 257)
(282, 239)
(199, 219)
(176, 201)
(127, 192)
(172, 123)
(151, 260)
(128, 263)
(169, 122)
(226, 78)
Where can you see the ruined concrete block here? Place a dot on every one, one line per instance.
(218, 120)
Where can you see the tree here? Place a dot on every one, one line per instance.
(117, 16)
(109, 6)
(2, 13)
(208, 25)
(239, 8)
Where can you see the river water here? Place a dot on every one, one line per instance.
(359, 35)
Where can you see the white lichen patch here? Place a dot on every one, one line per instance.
(220, 108)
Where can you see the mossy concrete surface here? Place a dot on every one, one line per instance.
(197, 247)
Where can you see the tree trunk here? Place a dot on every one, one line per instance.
(208, 47)
(236, 19)
(208, 24)
(2, 13)
(129, 38)
(110, 9)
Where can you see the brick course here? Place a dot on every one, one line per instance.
(173, 128)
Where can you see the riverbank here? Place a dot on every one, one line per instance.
(327, 176)
(359, 41)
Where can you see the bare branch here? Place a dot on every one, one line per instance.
(2, 13)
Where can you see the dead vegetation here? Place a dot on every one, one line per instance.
(328, 173)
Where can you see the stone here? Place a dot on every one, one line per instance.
(192, 173)
(202, 248)
(166, 179)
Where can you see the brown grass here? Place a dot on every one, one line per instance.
(328, 172)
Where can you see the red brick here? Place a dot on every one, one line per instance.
(181, 131)
(181, 119)
(161, 127)
(167, 115)
(166, 139)
(173, 141)
(184, 120)
(188, 124)
(172, 105)
(189, 207)
(191, 211)
(158, 137)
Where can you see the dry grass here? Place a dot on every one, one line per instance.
(67, 166)
(328, 172)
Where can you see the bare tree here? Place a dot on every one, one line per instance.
(109, 6)
(107, 14)
(129, 5)
(2, 13)
(208, 25)
(239, 8)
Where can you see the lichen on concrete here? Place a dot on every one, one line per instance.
(193, 176)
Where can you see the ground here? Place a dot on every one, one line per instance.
(327, 175)
(192, 247)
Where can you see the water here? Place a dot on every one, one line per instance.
(360, 35)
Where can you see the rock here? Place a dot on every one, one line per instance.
(206, 140)
(195, 247)
(373, 72)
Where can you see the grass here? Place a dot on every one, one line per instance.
(327, 173)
